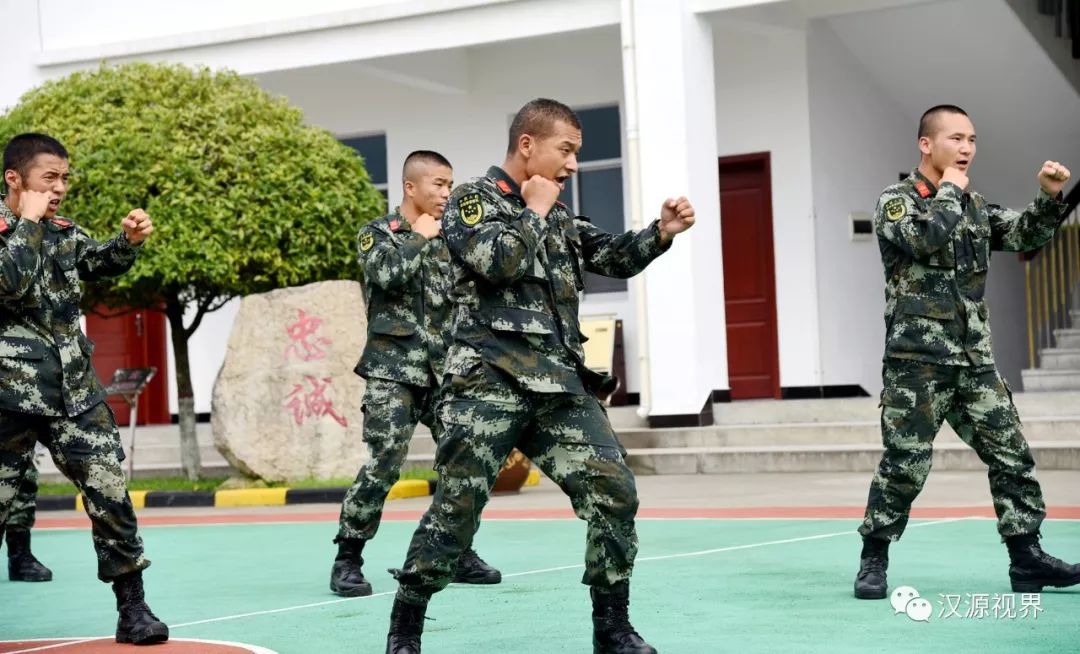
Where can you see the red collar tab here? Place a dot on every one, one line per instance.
(922, 188)
(395, 224)
(503, 186)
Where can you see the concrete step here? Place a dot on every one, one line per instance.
(1058, 358)
(1075, 316)
(751, 412)
(217, 467)
(1063, 455)
(1038, 380)
(1067, 338)
(159, 455)
(1039, 428)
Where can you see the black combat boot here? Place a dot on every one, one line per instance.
(406, 627)
(612, 631)
(471, 569)
(346, 577)
(137, 624)
(871, 581)
(22, 564)
(1030, 568)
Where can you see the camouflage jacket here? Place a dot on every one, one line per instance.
(935, 246)
(407, 291)
(44, 355)
(516, 282)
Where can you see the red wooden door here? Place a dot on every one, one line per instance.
(136, 339)
(749, 280)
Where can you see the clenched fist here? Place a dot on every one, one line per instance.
(955, 176)
(427, 226)
(676, 216)
(1052, 177)
(137, 226)
(540, 194)
(33, 205)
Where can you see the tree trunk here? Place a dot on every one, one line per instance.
(189, 444)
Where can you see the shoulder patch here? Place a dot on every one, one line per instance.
(472, 209)
(922, 188)
(503, 186)
(895, 209)
(367, 239)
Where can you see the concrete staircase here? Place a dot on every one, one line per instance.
(841, 435)
(157, 453)
(1059, 367)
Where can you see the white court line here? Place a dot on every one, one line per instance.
(254, 649)
(568, 519)
(557, 569)
(664, 557)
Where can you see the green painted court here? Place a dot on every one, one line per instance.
(701, 585)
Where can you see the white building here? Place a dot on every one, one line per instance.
(824, 94)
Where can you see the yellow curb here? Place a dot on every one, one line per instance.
(409, 488)
(138, 498)
(78, 502)
(534, 477)
(250, 497)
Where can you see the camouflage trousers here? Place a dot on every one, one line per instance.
(391, 412)
(86, 448)
(23, 512)
(978, 405)
(567, 436)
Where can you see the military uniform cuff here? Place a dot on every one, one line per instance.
(413, 243)
(1045, 198)
(950, 191)
(123, 243)
(29, 229)
(533, 223)
(655, 241)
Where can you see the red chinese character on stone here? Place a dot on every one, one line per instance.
(313, 404)
(306, 345)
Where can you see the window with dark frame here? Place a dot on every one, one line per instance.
(372, 149)
(596, 191)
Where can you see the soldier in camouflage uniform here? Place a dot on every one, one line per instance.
(406, 289)
(22, 564)
(50, 393)
(515, 373)
(935, 239)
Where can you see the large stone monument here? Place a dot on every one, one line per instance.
(286, 403)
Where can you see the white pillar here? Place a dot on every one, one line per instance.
(22, 42)
(670, 93)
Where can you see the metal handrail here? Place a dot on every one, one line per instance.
(1052, 286)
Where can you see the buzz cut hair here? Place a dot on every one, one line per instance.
(537, 118)
(928, 122)
(423, 156)
(20, 151)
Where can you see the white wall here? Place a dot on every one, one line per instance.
(77, 23)
(470, 127)
(1023, 109)
(762, 105)
(861, 141)
(19, 74)
(206, 353)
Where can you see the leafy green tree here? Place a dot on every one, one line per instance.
(245, 197)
